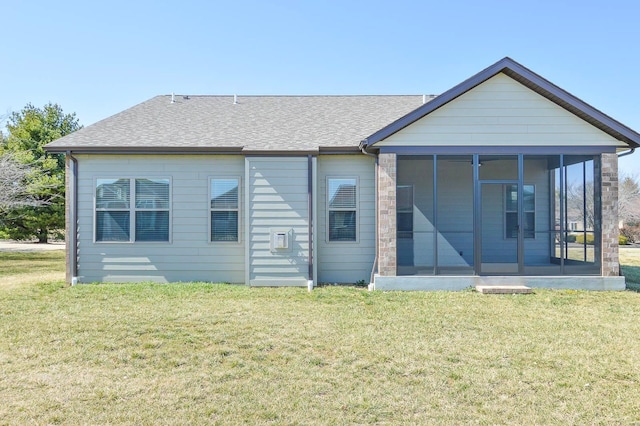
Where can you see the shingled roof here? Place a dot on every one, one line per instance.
(254, 123)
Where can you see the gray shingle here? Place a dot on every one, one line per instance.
(255, 123)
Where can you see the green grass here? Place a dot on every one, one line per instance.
(19, 263)
(203, 353)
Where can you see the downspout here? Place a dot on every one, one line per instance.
(311, 219)
(363, 148)
(623, 154)
(73, 219)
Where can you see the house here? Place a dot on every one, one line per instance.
(406, 192)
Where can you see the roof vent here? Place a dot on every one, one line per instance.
(186, 97)
(426, 98)
(173, 98)
(235, 99)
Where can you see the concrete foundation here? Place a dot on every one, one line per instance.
(449, 283)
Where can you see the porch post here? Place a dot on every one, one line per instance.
(610, 231)
(387, 214)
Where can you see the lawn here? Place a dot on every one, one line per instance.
(19, 268)
(630, 261)
(202, 353)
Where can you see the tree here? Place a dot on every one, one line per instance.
(29, 130)
(629, 207)
(629, 200)
(580, 202)
(14, 184)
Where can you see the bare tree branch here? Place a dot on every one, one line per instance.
(629, 199)
(580, 196)
(14, 184)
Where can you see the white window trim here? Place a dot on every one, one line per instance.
(328, 209)
(239, 210)
(132, 209)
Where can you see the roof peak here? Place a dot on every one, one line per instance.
(531, 80)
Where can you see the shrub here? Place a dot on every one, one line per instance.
(580, 239)
(622, 240)
(571, 238)
(631, 232)
(361, 283)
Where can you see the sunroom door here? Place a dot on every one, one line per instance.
(499, 228)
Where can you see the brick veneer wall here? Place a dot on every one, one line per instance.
(387, 214)
(609, 203)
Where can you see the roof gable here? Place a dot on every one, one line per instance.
(527, 78)
(500, 112)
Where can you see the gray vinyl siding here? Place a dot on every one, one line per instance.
(537, 251)
(455, 213)
(277, 192)
(496, 247)
(189, 256)
(347, 262)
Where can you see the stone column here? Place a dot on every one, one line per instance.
(597, 209)
(610, 231)
(387, 215)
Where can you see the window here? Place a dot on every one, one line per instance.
(224, 209)
(511, 210)
(113, 210)
(141, 205)
(404, 211)
(342, 202)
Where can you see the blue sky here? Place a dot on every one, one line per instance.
(98, 58)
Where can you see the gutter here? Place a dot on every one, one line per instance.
(363, 148)
(149, 150)
(624, 154)
(168, 150)
(73, 218)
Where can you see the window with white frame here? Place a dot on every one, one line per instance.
(132, 210)
(224, 208)
(511, 210)
(404, 211)
(342, 199)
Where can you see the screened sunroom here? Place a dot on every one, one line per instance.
(487, 214)
(505, 179)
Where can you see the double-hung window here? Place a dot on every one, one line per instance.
(132, 210)
(511, 211)
(224, 208)
(404, 211)
(342, 201)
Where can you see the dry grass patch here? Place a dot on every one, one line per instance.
(26, 268)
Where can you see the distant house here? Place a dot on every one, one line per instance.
(476, 185)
